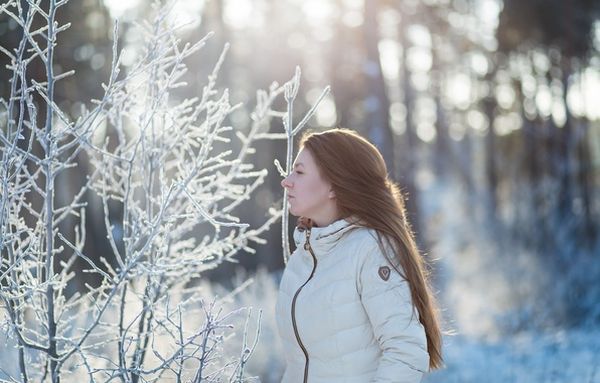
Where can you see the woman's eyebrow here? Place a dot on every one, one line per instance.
(298, 164)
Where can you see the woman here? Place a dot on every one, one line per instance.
(354, 303)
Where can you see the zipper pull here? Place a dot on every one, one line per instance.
(306, 243)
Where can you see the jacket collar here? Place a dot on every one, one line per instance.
(323, 239)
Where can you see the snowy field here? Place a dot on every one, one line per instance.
(561, 356)
(554, 356)
(557, 356)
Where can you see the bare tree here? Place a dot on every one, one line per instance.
(157, 158)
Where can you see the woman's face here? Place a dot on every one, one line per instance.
(309, 195)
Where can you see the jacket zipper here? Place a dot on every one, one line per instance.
(309, 249)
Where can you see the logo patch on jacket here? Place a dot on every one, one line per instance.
(384, 273)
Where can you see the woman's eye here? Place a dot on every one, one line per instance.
(299, 172)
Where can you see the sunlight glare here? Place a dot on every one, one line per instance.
(353, 19)
(425, 109)
(575, 97)
(488, 12)
(187, 13)
(541, 62)
(479, 63)
(591, 93)
(238, 13)
(505, 95)
(420, 81)
(477, 121)
(296, 40)
(398, 118)
(319, 12)
(353, 4)
(426, 131)
(458, 90)
(543, 100)
(559, 113)
(419, 35)
(389, 54)
(507, 123)
(325, 114)
(118, 7)
(528, 85)
(419, 59)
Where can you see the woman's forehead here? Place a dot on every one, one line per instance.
(304, 158)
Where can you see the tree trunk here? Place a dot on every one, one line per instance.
(407, 163)
(376, 103)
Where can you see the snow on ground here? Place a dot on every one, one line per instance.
(559, 356)
(562, 356)
(484, 294)
(553, 356)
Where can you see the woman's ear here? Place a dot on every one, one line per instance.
(331, 194)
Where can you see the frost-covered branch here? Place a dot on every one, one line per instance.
(165, 165)
(291, 92)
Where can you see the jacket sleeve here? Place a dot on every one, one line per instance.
(396, 327)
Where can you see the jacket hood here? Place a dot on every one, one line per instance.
(323, 239)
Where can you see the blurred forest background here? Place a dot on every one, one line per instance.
(486, 111)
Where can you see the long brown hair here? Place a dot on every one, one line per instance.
(359, 179)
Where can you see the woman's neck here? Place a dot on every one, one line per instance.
(322, 222)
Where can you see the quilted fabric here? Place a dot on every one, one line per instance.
(355, 325)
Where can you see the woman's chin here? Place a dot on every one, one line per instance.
(293, 211)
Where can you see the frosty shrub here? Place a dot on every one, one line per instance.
(257, 292)
(161, 161)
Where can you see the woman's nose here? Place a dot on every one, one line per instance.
(285, 183)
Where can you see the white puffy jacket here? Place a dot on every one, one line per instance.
(343, 316)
